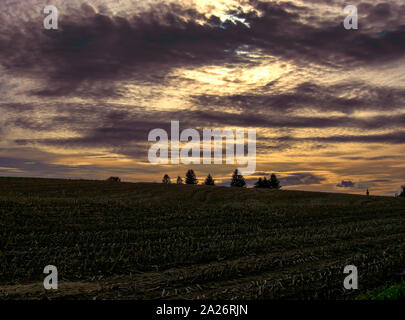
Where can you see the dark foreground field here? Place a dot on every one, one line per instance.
(148, 241)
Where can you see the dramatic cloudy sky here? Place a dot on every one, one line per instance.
(328, 103)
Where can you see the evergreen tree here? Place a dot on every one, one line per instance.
(274, 182)
(179, 180)
(259, 183)
(191, 177)
(237, 180)
(209, 181)
(166, 179)
(263, 183)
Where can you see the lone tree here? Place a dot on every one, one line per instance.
(114, 179)
(274, 182)
(237, 180)
(209, 181)
(179, 180)
(403, 192)
(166, 179)
(190, 177)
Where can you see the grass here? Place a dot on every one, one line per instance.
(149, 241)
(392, 292)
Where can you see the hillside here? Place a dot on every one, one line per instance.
(146, 241)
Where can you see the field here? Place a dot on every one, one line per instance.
(394, 292)
(152, 241)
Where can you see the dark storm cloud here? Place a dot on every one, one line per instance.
(90, 46)
(84, 90)
(266, 120)
(310, 95)
(380, 180)
(379, 158)
(302, 178)
(346, 184)
(252, 112)
(107, 135)
(397, 137)
(126, 130)
(281, 32)
(16, 107)
(93, 47)
(282, 143)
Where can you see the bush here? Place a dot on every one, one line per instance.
(114, 179)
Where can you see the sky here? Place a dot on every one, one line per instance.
(328, 104)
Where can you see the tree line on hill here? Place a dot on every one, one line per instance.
(237, 180)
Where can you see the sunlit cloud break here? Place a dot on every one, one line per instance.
(211, 139)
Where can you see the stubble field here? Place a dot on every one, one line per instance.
(153, 241)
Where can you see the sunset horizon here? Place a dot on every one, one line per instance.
(327, 103)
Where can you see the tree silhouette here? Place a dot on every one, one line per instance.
(237, 180)
(209, 181)
(259, 183)
(191, 177)
(166, 179)
(403, 192)
(179, 180)
(114, 179)
(274, 182)
(262, 183)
